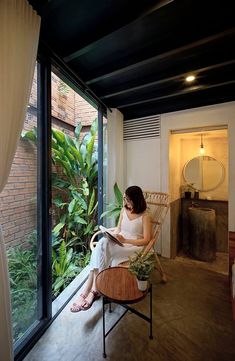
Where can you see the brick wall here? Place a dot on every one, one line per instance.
(84, 112)
(18, 204)
(69, 106)
(18, 198)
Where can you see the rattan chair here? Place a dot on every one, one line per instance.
(158, 205)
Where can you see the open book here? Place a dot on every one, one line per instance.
(108, 234)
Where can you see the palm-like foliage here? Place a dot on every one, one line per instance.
(114, 209)
(78, 161)
(63, 267)
(74, 182)
(22, 263)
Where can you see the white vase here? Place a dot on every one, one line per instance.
(142, 285)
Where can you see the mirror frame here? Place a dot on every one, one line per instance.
(207, 189)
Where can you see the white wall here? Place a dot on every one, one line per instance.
(142, 166)
(142, 163)
(115, 162)
(175, 162)
(146, 162)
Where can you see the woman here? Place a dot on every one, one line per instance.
(134, 230)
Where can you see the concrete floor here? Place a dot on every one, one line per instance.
(192, 322)
(219, 265)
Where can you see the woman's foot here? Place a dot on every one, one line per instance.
(91, 297)
(77, 306)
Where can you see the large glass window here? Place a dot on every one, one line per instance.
(105, 166)
(18, 216)
(74, 182)
(25, 202)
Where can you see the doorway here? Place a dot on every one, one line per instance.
(200, 179)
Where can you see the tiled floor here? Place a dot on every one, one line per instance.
(192, 322)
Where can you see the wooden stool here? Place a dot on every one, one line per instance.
(118, 285)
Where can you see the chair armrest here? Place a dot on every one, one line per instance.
(149, 246)
(93, 242)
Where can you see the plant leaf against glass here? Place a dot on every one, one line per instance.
(91, 203)
(114, 210)
(118, 195)
(58, 182)
(94, 127)
(59, 137)
(30, 135)
(58, 202)
(74, 182)
(63, 267)
(77, 131)
(22, 264)
(57, 228)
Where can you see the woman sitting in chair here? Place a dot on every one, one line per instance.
(134, 230)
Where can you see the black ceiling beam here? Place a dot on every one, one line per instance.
(70, 75)
(44, 6)
(179, 93)
(183, 103)
(166, 80)
(162, 56)
(108, 34)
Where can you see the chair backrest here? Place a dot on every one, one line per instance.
(158, 204)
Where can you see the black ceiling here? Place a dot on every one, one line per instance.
(134, 55)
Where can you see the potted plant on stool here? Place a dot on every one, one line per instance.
(141, 265)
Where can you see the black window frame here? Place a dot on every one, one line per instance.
(47, 62)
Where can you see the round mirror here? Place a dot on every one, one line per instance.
(204, 173)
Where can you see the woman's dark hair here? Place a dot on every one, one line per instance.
(135, 195)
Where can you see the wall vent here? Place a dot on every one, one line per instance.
(142, 128)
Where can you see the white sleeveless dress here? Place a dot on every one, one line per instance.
(107, 253)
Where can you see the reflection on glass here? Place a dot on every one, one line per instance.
(204, 173)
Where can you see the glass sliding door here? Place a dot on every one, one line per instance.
(21, 210)
(74, 185)
(18, 216)
(105, 168)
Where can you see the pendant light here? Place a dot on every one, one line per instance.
(202, 149)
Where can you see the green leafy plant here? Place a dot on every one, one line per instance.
(114, 209)
(63, 267)
(74, 182)
(22, 263)
(141, 265)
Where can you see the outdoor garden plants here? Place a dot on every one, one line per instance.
(74, 185)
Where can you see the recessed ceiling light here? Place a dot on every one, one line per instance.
(190, 78)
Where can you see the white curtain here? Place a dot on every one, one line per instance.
(19, 34)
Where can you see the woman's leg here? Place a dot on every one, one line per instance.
(100, 259)
(92, 295)
(77, 305)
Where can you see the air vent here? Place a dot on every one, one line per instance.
(142, 128)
